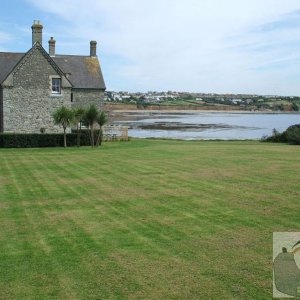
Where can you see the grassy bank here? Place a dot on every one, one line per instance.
(145, 219)
(180, 106)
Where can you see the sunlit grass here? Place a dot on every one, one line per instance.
(145, 219)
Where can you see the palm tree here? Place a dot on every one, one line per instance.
(79, 114)
(102, 119)
(64, 117)
(91, 116)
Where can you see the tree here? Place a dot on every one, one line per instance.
(91, 116)
(64, 117)
(295, 107)
(101, 120)
(293, 134)
(79, 114)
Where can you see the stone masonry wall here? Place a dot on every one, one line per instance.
(85, 97)
(1, 109)
(29, 104)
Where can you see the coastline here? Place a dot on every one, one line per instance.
(185, 109)
(191, 124)
(179, 111)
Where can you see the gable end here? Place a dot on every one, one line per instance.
(37, 46)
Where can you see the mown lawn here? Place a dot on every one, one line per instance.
(145, 219)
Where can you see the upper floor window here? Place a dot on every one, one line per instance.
(56, 85)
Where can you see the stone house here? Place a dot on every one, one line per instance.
(34, 84)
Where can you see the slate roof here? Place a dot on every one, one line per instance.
(81, 71)
(7, 62)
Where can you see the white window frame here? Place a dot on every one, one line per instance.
(57, 85)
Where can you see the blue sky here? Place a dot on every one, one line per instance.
(221, 46)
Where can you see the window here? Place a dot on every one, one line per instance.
(56, 85)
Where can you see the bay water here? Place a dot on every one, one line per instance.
(213, 125)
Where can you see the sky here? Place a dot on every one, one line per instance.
(209, 46)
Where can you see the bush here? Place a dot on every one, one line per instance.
(276, 137)
(291, 136)
(10, 140)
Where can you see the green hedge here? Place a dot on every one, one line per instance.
(10, 140)
(291, 136)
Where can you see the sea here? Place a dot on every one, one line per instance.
(207, 125)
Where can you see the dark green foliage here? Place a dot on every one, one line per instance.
(64, 117)
(9, 140)
(90, 117)
(102, 120)
(291, 136)
(94, 117)
(78, 114)
(276, 137)
(141, 104)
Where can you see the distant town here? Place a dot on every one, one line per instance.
(187, 100)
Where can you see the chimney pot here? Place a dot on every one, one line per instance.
(93, 48)
(52, 46)
(37, 32)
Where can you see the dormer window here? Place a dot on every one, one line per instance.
(56, 86)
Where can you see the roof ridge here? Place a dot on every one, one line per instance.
(76, 55)
(4, 52)
(82, 71)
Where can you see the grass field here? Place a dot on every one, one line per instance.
(145, 219)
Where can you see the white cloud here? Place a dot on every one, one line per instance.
(201, 45)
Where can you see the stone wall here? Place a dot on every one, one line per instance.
(1, 109)
(28, 104)
(86, 97)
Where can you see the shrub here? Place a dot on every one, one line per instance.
(10, 140)
(64, 116)
(276, 137)
(293, 134)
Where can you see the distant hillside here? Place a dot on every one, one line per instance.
(124, 106)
